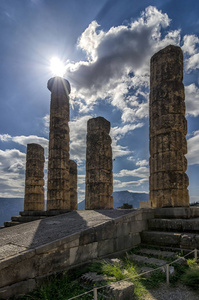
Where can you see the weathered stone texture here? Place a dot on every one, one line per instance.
(58, 163)
(73, 184)
(34, 182)
(99, 176)
(168, 128)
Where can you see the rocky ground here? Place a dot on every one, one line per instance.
(165, 292)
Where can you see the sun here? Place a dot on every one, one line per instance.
(57, 66)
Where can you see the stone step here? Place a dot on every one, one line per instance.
(158, 253)
(47, 213)
(113, 291)
(11, 223)
(174, 225)
(151, 261)
(171, 239)
(24, 219)
(177, 212)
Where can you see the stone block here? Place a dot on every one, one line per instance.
(106, 231)
(84, 253)
(106, 247)
(120, 290)
(87, 236)
(139, 226)
(21, 270)
(123, 228)
(18, 289)
(53, 261)
(189, 241)
(167, 65)
(169, 141)
(161, 238)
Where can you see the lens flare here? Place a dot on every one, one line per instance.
(57, 67)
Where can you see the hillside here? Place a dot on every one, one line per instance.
(119, 198)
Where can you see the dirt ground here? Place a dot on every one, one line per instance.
(179, 292)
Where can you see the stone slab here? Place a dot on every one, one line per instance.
(179, 225)
(121, 290)
(158, 253)
(177, 212)
(10, 250)
(38, 233)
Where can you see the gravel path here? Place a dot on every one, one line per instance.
(179, 292)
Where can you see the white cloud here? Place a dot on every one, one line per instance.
(24, 140)
(190, 42)
(142, 163)
(142, 172)
(12, 170)
(5, 137)
(78, 131)
(117, 63)
(124, 184)
(193, 149)
(192, 100)
(192, 63)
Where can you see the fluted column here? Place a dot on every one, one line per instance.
(58, 196)
(168, 129)
(34, 179)
(73, 184)
(99, 177)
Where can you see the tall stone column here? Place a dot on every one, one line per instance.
(168, 128)
(73, 184)
(99, 177)
(34, 179)
(58, 195)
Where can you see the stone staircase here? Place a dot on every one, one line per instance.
(147, 259)
(174, 228)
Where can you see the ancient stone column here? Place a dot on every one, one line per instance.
(58, 195)
(73, 184)
(34, 182)
(99, 177)
(168, 127)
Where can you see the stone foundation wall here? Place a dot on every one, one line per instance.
(24, 272)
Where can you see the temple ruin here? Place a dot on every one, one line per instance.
(99, 176)
(34, 179)
(168, 129)
(58, 194)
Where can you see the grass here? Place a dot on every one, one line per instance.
(59, 288)
(191, 275)
(67, 285)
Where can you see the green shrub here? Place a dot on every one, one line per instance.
(191, 277)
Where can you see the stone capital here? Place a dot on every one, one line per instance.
(59, 85)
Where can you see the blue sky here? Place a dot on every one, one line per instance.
(106, 48)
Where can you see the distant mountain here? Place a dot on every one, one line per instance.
(10, 207)
(119, 198)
